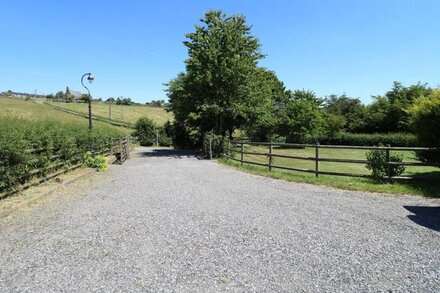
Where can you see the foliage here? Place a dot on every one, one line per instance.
(59, 95)
(350, 109)
(259, 112)
(100, 163)
(156, 103)
(366, 139)
(301, 116)
(334, 124)
(379, 167)
(389, 113)
(84, 98)
(68, 139)
(222, 57)
(123, 101)
(146, 131)
(425, 122)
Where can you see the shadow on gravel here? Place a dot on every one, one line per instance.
(177, 154)
(428, 217)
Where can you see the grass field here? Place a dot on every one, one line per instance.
(37, 110)
(120, 113)
(427, 188)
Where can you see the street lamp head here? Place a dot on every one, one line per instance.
(90, 78)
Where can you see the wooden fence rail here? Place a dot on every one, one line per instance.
(56, 166)
(238, 147)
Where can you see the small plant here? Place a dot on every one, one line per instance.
(379, 167)
(100, 163)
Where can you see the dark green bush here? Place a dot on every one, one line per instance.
(69, 139)
(364, 139)
(379, 167)
(146, 131)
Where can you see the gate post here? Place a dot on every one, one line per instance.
(317, 159)
(270, 156)
(242, 151)
(127, 138)
(210, 147)
(388, 160)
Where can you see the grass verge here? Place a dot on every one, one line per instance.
(415, 187)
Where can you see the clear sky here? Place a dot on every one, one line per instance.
(133, 47)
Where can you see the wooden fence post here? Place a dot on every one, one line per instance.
(229, 147)
(210, 147)
(128, 145)
(388, 160)
(242, 151)
(270, 156)
(121, 147)
(317, 159)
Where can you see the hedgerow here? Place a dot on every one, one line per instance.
(68, 140)
(366, 139)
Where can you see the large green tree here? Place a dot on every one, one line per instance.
(389, 113)
(301, 115)
(259, 110)
(351, 110)
(222, 60)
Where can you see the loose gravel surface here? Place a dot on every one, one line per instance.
(165, 221)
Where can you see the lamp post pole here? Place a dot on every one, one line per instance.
(90, 78)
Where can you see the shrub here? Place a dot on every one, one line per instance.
(366, 139)
(425, 120)
(379, 167)
(146, 131)
(100, 163)
(70, 140)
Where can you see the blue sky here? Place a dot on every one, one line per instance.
(133, 47)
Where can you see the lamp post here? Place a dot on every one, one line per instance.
(90, 78)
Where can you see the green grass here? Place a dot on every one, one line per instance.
(120, 113)
(38, 111)
(426, 188)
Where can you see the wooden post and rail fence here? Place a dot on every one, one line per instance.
(234, 149)
(57, 165)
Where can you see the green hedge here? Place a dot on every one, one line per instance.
(363, 139)
(68, 139)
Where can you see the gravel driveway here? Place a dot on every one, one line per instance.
(165, 221)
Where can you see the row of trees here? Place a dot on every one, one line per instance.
(224, 89)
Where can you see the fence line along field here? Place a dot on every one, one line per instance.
(120, 113)
(256, 157)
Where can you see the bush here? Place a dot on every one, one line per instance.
(379, 167)
(365, 139)
(68, 139)
(146, 131)
(100, 163)
(425, 122)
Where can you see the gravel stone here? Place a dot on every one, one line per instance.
(166, 221)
